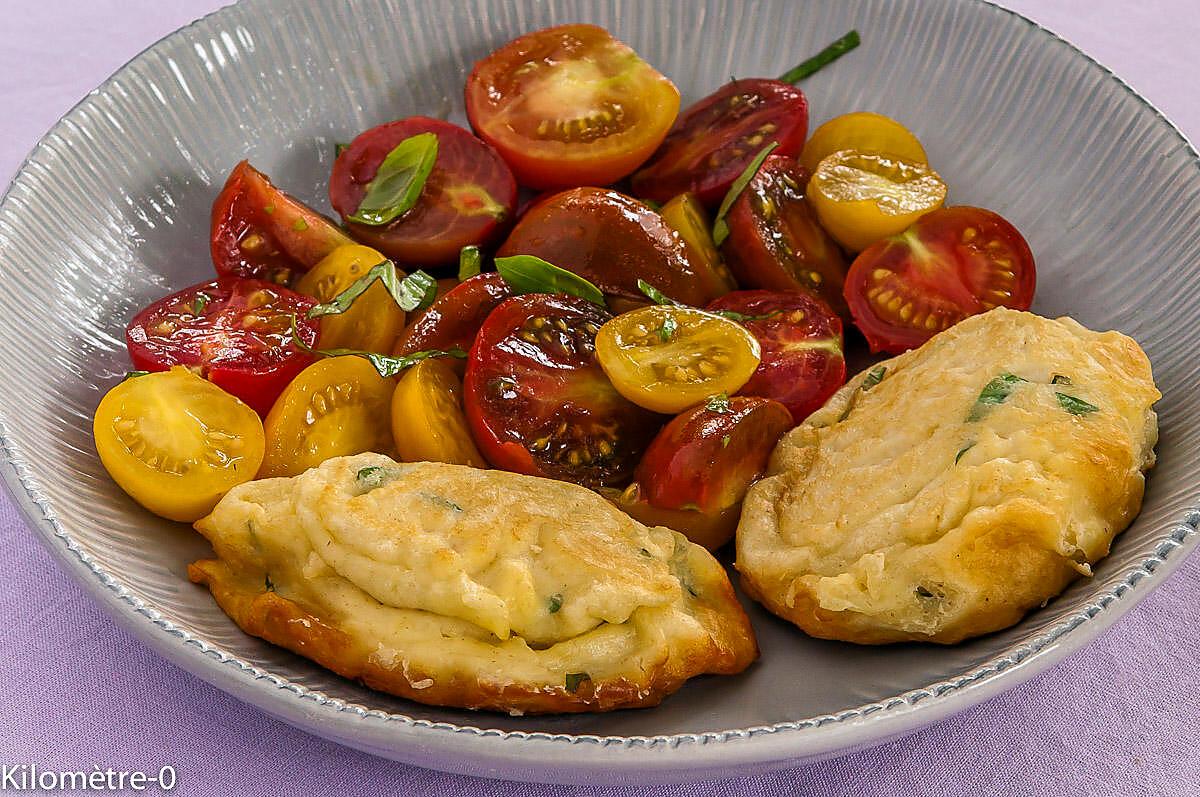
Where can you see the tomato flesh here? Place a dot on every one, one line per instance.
(952, 263)
(468, 199)
(259, 231)
(428, 423)
(538, 402)
(716, 139)
(613, 240)
(775, 241)
(455, 317)
(570, 106)
(236, 332)
(803, 363)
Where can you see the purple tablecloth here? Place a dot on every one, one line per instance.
(1121, 717)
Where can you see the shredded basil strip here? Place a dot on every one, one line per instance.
(655, 295)
(370, 478)
(873, 377)
(574, 679)
(721, 227)
(1075, 405)
(414, 292)
(668, 328)
(385, 365)
(530, 274)
(199, 303)
(555, 603)
(963, 450)
(268, 584)
(658, 297)
(399, 181)
(339, 148)
(133, 375)
(470, 262)
(718, 403)
(822, 59)
(993, 393)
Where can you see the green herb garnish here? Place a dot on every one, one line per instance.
(1074, 405)
(658, 297)
(725, 441)
(963, 450)
(922, 592)
(720, 229)
(370, 478)
(718, 403)
(414, 292)
(873, 377)
(268, 584)
(822, 59)
(668, 328)
(398, 183)
(555, 603)
(993, 393)
(299, 225)
(530, 274)
(385, 365)
(574, 679)
(339, 148)
(1059, 379)
(442, 501)
(199, 303)
(470, 261)
(133, 375)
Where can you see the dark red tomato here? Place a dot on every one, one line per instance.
(259, 231)
(537, 401)
(570, 106)
(467, 200)
(802, 361)
(454, 318)
(951, 263)
(708, 456)
(613, 240)
(236, 332)
(716, 139)
(775, 241)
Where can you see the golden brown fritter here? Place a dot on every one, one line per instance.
(474, 588)
(944, 493)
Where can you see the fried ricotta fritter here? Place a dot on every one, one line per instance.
(481, 589)
(945, 492)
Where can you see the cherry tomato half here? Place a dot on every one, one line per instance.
(865, 132)
(775, 241)
(176, 443)
(952, 263)
(373, 321)
(237, 332)
(455, 317)
(570, 106)
(613, 240)
(716, 139)
(428, 422)
(707, 457)
(802, 349)
(687, 217)
(537, 400)
(467, 200)
(710, 530)
(259, 231)
(668, 358)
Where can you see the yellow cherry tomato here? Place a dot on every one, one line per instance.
(863, 197)
(685, 215)
(177, 443)
(373, 321)
(333, 408)
(667, 358)
(428, 423)
(865, 132)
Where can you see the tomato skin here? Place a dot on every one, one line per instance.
(952, 263)
(254, 364)
(570, 106)
(176, 443)
(865, 132)
(775, 241)
(612, 240)
(428, 422)
(803, 361)
(538, 402)
(705, 459)
(454, 319)
(711, 530)
(259, 231)
(373, 321)
(468, 199)
(687, 216)
(714, 140)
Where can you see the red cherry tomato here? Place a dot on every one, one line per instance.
(570, 106)
(951, 263)
(236, 332)
(716, 139)
(537, 401)
(467, 200)
(259, 231)
(710, 530)
(707, 457)
(613, 240)
(455, 317)
(802, 361)
(775, 241)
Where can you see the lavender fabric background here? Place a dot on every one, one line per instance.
(1120, 717)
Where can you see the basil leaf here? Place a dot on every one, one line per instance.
(655, 295)
(720, 226)
(470, 260)
(398, 182)
(1075, 405)
(827, 56)
(718, 403)
(873, 377)
(555, 603)
(530, 274)
(133, 375)
(574, 679)
(268, 584)
(199, 303)
(963, 450)
(387, 365)
(415, 292)
(993, 393)
(668, 328)
(1059, 379)
(339, 148)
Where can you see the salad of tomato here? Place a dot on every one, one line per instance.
(634, 299)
